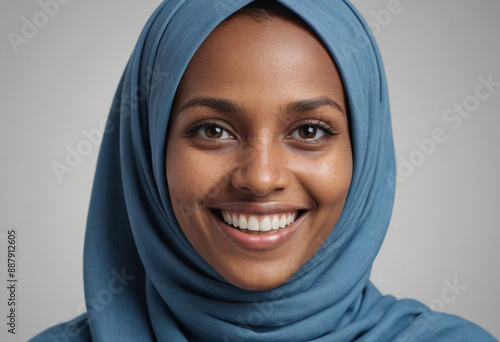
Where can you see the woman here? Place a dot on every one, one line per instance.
(245, 185)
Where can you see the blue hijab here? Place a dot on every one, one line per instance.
(143, 279)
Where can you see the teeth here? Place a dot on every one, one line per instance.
(283, 221)
(243, 222)
(276, 222)
(253, 223)
(227, 218)
(263, 223)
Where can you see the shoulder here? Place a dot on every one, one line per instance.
(436, 326)
(76, 330)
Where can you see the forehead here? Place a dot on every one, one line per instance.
(275, 52)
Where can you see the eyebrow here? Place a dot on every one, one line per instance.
(311, 104)
(221, 105)
(227, 106)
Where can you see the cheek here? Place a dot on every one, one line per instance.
(328, 183)
(186, 184)
(182, 180)
(194, 179)
(329, 177)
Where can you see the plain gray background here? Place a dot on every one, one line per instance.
(444, 230)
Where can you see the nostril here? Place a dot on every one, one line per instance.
(258, 179)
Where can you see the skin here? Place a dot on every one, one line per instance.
(259, 152)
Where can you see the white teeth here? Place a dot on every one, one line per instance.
(256, 223)
(243, 222)
(276, 222)
(283, 221)
(235, 221)
(265, 224)
(253, 223)
(227, 218)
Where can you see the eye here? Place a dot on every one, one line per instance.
(208, 130)
(213, 131)
(308, 132)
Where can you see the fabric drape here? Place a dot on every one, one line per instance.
(145, 282)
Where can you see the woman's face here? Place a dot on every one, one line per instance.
(259, 159)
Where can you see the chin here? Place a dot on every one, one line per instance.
(257, 284)
(258, 277)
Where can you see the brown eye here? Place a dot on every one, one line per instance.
(307, 132)
(212, 131)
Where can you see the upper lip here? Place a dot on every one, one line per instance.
(258, 208)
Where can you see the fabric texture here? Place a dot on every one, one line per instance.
(145, 282)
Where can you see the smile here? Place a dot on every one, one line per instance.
(259, 223)
(259, 228)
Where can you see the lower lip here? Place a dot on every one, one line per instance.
(260, 242)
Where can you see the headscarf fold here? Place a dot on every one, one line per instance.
(143, 279)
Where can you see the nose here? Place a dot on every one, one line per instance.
(261, 168)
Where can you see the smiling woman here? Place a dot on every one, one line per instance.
(245, 197)
(264, 125)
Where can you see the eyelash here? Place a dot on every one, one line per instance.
(320, 124)
(193, 129)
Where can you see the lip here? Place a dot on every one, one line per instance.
(263, 241)
(254, 208)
